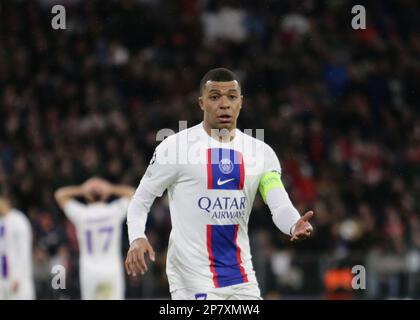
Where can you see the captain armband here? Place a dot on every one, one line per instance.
(269, 181)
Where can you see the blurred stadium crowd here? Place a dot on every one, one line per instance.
(339, 106)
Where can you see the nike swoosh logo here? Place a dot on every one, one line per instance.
(221, 183)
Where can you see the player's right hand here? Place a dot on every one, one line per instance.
(135, 262)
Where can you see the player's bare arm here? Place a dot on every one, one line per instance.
(117, 190)
(122, 191)
(4, 206)
(65, 194)
(105, 189)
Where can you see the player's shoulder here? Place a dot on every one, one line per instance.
(19, 217)
(173, 141)
(119, 201)
(253, 141)
(17, 214)
(73, 204)
(96, 209)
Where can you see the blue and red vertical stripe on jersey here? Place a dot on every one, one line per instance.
(225, 169)
(3, 258)
(225, 255)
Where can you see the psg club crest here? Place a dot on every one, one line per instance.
(226, 166)
(225, 169)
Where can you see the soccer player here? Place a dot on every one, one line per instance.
(98, 226)
(212, 172)
(16, 274)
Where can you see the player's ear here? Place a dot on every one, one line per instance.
(201, 103)
(242, 101)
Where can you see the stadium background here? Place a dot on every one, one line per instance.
(339, 106)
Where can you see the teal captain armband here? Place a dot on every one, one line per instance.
(269, 180)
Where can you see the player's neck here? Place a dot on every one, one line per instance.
(220, 135)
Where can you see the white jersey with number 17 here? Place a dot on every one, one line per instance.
(98, 227)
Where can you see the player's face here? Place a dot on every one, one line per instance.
(221, 103)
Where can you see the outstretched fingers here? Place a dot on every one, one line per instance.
(303, 228)
(308, 215)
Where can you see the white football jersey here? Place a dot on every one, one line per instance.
(98, 227)
(211, 188)
(16, 256)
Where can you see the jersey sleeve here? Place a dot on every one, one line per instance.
(271, 161)
(274, 194)
(74, 210)
(119, 207)
(271, 175)
(163, 168)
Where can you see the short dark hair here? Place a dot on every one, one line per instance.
(218, 74)
(96, 197)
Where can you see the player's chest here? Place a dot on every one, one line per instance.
(222, 169)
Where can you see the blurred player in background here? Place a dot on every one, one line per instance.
(16, 274)
(98, 226)
(211, 198)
